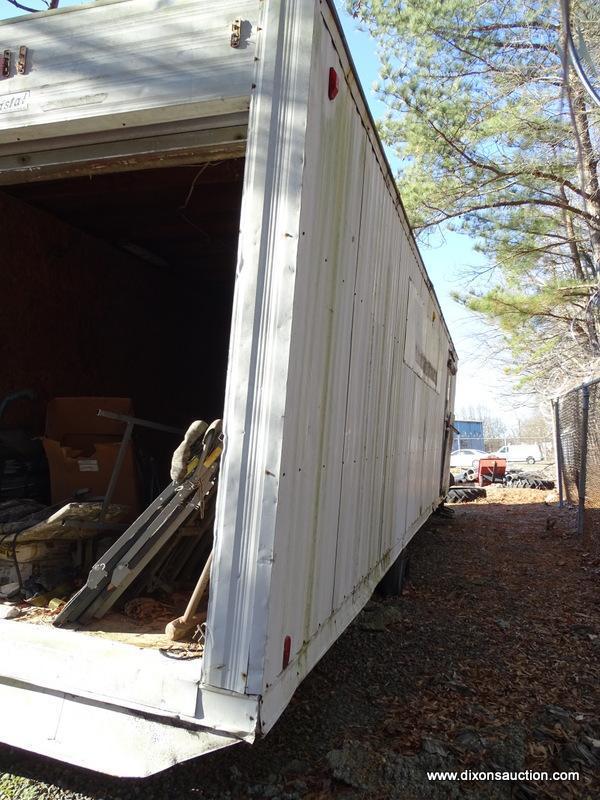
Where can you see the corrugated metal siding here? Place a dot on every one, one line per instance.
(333, 443)
(375, 387)
(362, 444)
(254, 416)
(317, 389)
(116, 63)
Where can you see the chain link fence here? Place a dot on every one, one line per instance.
(577, 442)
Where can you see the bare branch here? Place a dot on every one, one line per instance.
(22, 8)
(502, 204)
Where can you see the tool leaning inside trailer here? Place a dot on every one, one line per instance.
(132, 559)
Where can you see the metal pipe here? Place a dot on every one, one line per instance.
(144, 423)
(130, 422)
(585, 408)
(593, 382)
(10, 398)
(558, 452)
(114, 476)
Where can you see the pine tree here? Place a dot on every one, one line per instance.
(494, 142)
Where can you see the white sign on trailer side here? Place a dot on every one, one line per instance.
(19, 101)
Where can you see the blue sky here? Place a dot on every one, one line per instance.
(480, 383)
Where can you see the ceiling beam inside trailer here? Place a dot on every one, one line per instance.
(184, 219)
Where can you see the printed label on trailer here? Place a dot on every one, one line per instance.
(422, 347)
(88, 465)
(14, 102)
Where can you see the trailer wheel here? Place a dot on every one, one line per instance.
(530, 460)
(464, 494)
(393, 581)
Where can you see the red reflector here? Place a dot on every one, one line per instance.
(287, 648)
(334, 83)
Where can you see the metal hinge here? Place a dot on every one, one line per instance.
(22, 62)
(6, 59)
(236, 33)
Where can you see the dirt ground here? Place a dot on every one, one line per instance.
(488, 661)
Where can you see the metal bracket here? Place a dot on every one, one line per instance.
(6, 63)
(22, 62)
(236, 33)
(130, 422)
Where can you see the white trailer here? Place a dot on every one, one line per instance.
(300, 285)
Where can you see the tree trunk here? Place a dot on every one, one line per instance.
(588, 161)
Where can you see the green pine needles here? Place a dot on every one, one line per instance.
(494, 142)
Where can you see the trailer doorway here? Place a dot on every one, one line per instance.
(119, 283)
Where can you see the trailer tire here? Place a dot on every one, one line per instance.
(465, 494)
(512, 476)
(531, 482)
(393, 581)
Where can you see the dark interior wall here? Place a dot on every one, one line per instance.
(81, 317)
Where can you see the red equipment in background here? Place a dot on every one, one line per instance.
(490, 470)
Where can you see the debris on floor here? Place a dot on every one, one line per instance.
(46, 551)
(9, 612)
(147, 544)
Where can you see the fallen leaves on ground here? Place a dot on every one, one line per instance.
(488, 660)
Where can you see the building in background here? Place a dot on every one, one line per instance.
(470, 434)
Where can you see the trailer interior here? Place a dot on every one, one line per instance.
(117, 287)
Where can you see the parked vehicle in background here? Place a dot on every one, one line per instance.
(520, 452)
(466, 457)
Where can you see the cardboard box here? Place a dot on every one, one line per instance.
(74, 421)
(82, 449)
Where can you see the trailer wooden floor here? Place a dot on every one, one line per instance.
(144, 629)
(489, 658)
